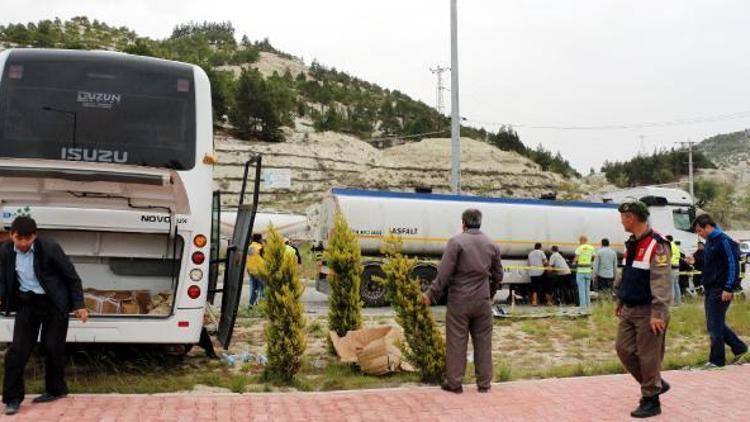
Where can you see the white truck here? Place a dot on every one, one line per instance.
(426, 221)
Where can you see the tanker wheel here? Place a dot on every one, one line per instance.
(426, 273)
(372, 289)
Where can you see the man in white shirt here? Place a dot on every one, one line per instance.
(537, 262)
(560, 277)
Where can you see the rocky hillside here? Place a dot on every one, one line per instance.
(728, 150)
(319, 161)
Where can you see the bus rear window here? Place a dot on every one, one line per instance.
(99, 108)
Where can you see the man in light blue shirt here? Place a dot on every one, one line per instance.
(25, 271)
(605, 266)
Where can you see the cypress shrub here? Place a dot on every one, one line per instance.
(425, 346)
(285, 327)
(344, 260)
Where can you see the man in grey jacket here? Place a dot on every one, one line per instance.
(605, 266)
(471, 271)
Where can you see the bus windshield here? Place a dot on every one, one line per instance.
(101, 107)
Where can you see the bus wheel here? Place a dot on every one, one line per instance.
(177, 350)
(372, 289)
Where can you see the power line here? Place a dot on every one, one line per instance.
(638, 125)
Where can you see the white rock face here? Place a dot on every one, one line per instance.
(321, 161)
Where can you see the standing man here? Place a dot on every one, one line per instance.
(537, 261)
(643, 293)
(698, 266)
(675, 247)
(471, 271)
(253, 265)
(39, 283)
(584, 258)
(605, 266)
(562, 285)
(720, 277)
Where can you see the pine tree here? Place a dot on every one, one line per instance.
(345, 262)
(285, 329)
(425, 346)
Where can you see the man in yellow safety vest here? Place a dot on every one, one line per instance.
(583, 260)
(675, 270)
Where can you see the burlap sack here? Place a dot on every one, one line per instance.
(375, 350)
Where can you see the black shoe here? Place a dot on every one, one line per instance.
(740, 358)
(450, 389)
(648, 407)
(664, 386)
(483, 389)
(47, 397)
(12, 408)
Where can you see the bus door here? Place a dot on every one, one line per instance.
(213, 268)
(234, 272)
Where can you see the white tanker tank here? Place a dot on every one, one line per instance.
(425, 222)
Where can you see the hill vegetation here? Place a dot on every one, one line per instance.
(661, 167)
(729, 149)
(257, 106)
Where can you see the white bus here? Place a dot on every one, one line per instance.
(111, 154)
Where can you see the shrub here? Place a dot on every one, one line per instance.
(345, 262)
(285, 330)
(425, 346)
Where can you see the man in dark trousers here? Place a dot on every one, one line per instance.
(39, 283)
(644, 294)
(471, 271)
(720, 277)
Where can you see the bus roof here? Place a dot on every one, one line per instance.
(94, 55)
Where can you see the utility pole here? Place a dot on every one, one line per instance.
(690, 144)
(439, 105)
(642, 147)
(455, 117)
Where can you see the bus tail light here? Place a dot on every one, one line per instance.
(198, 258)
(183, 324)
(194, 291)
(200, 241)
(196, 274)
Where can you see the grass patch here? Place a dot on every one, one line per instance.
(316, 329)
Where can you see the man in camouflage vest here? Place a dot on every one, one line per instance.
(644, 294)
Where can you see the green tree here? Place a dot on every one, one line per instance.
(140, 47)
(507, 139)
(330, 120)
(222, 87)
(253, 113)
(345, 262)
(425, 346)
(281, 97)
(285, 327)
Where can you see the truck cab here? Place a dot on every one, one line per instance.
(672, 211)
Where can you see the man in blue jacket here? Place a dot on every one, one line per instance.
(720, 278)
(39, 283)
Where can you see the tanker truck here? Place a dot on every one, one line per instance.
(425, 222)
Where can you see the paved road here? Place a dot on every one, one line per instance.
(695, 396)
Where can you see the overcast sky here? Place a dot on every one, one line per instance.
(525, 62)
